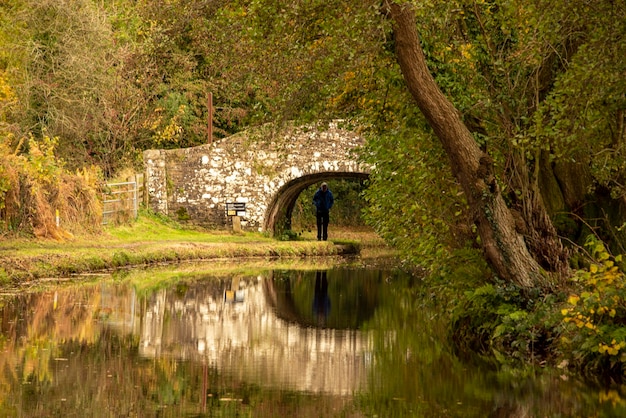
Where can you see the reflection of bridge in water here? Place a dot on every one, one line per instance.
(248, 341)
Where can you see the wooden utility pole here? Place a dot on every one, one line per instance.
(210, 118)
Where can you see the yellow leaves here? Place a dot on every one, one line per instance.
(578, 319)
(611, 349)
(581, 321)
(611, 396)
(573, 300)
(7, 95)
(173, 129)
(318, 43)
(8, 98)
(595, 314)
(466, 51)
(459, 55)
(603, 275)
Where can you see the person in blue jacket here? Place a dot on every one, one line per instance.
(323, 201)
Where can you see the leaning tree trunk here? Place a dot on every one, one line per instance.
(504, 247)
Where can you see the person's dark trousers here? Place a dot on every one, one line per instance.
(322, 225)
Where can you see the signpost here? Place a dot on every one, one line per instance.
(236, 210)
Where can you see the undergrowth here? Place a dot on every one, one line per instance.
(39, 197)
(582, 327)
(594, 316)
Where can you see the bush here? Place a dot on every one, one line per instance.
(34, 187)
(498, 319)
(594, 317)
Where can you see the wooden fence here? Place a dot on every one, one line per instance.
(122, 200)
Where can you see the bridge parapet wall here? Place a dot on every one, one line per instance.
(251, 167)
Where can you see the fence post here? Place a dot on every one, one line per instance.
(132, 184)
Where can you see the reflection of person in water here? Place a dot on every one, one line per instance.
(321, 301)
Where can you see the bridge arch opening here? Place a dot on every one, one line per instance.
(280, 209)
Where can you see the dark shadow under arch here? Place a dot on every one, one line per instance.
(280, 209)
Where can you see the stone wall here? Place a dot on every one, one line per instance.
(262, 169)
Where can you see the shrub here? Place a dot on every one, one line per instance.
(34, 185)
(499, 319)
(594, 316)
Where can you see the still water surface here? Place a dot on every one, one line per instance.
(343, 342)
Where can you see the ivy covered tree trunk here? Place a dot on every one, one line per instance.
(505, 248)
(534, 222)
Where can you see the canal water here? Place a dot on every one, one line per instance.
(341, 342)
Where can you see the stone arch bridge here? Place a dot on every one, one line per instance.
(256, 175)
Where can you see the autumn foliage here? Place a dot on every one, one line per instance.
(35, 190)
(594, 314)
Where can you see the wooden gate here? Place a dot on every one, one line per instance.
(121, 200)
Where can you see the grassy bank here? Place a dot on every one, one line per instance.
(153, 240)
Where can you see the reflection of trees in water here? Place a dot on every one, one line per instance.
(76, 352)
(34, 326)
(415, 372)
(63, 357)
